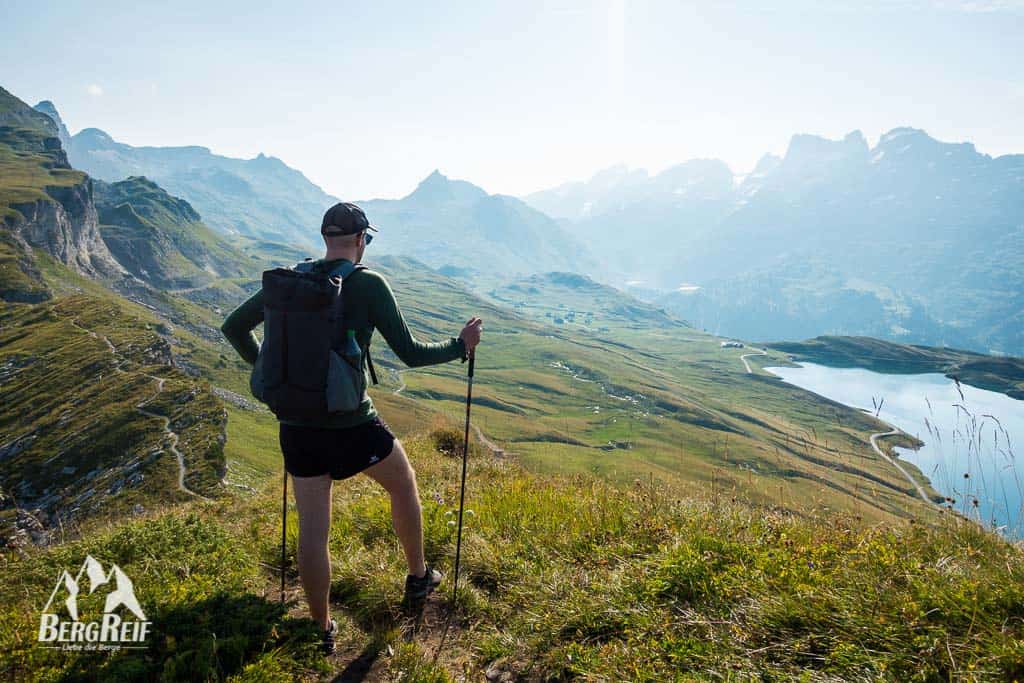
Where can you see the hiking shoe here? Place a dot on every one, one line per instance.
(328, 643)
(419, 587)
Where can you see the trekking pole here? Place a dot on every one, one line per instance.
(462, 499)
(462, 490)
(284, 524)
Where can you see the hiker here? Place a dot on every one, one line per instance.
(345, 444)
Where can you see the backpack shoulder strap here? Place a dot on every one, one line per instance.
(346, 268)
(304, 266)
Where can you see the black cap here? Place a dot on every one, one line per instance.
(344, 218)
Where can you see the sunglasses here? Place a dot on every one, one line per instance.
(367, 235)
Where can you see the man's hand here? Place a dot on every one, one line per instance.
(470, 334)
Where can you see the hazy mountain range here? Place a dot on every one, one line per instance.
(458, 227)
(445, 222)
(261, 198)
(913, 239)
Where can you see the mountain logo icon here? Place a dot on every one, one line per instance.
(123, 593)
(111, 628)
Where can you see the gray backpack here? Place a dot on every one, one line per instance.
(300, 372)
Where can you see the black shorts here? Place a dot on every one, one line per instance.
(314, 451)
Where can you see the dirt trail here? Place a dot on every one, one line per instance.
(362, 658)
(138, 406)
(174, 437)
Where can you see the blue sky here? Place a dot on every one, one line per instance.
(367, 100)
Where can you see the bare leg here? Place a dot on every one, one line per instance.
(313, 500)
(398, 478)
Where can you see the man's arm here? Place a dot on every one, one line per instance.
(386, 317)
(238, 326)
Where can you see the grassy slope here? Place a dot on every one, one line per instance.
(75, 371)
(995, 373)
(695, 419)
(564, 576)
(634, 401)
(148, 229)
(660, 401)
(27, 168)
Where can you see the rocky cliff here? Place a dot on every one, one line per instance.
(44, 203)
(65, 225)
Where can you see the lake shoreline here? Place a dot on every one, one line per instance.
(1003, 374)
(965, 432)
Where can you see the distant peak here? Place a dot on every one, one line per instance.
(439, 187)
(435, 179)
(47, 107)
(855, 137)
(94, 134)
(268, 160)
(916, 142)
(804, 148)
(904, 132)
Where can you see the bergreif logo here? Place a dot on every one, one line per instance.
(110, 631)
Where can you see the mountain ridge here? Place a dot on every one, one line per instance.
(261, 197)
(455, 224)
(913, 239)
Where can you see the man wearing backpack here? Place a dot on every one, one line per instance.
(339, 444)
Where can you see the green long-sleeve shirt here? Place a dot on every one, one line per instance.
(369, 304)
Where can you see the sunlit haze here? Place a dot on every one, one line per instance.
(367, 98)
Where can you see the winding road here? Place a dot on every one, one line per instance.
(138, 406)
(896, 463)
(744, 357)
(874, 442)
(496, 450)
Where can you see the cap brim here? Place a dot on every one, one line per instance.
(372, 228)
